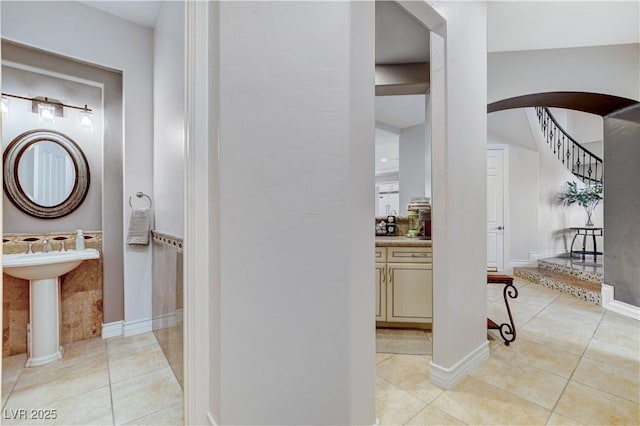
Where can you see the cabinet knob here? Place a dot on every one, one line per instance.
(500, 228)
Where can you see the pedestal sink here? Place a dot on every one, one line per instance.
(43, 271)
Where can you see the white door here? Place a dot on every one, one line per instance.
(495, 208)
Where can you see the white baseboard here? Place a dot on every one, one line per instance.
(515, 263)
(610, 304)
(112, 329)
(165, 321)
(535, 255)
(131, 328)
(447, 378)
(606, 295)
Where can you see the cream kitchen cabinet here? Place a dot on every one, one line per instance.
(381, 283)
(404, 284)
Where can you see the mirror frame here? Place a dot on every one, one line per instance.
(15, 192)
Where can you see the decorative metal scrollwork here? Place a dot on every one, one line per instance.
(508, 330)
(576, 155)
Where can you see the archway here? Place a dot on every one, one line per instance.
(594, 103)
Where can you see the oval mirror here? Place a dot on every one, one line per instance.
(46, 174)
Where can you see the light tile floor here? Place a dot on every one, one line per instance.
(572, 363)
(118, 381)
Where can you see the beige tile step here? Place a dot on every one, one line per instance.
(588, 291)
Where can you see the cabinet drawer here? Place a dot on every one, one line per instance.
(409, 254)
(381, 254)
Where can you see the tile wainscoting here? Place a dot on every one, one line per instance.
(167, 302)
(81, 293)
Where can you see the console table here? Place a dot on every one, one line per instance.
(586, 231)
(507, 330)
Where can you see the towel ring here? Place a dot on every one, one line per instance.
(140, 194)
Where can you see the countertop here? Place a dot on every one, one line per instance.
(401, 242)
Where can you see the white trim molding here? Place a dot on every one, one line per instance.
(506, 208)
(131, 328)
(126, 328)
(536, 255)
(622, 308)
(165, 321)
(200, 221)
(515, 263)
(447, 378)
(112, 329)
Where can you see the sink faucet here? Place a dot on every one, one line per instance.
(46, 246)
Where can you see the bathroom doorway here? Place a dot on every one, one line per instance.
(125, 296)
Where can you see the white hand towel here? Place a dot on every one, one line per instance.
(139, 225)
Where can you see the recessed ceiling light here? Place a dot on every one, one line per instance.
(383, 160)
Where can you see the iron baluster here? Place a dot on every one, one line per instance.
(565, 147)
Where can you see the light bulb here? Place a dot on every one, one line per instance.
(5, 107)
(86, 120)
(47, 113)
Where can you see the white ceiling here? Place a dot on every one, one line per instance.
(141, 12)
(400, 38)
(400, 111)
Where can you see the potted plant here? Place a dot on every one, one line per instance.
(588, 197)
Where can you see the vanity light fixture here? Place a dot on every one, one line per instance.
(383, 160)
(86, 119)
(47, 113)
(48, 109)
(5, 107)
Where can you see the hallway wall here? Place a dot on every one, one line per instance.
(168, 107)
(298, 290)
(611, 70)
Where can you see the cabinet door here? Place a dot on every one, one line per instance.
(381, 291)
(409, 292)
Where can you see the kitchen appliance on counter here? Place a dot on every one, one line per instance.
(424, 218)
(388, 227)
(419, 209)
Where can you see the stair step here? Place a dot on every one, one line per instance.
(588, 291)
(581, 274)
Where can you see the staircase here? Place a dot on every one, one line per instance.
(561, 274)
(570, 276)
(584, 164)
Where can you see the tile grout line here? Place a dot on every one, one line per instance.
(553, 410)
(154, 412)
(113, 414)
(15, 382)
(436, 408)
